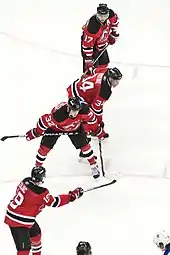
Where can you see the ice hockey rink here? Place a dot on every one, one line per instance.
(39, 58)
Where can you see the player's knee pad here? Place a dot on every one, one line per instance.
(23, 245)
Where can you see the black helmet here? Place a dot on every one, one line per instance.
(83, 248)
(114, 73)
(102, 9)
(74, 103)
(38, 174)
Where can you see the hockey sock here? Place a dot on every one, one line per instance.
(23, 252)
(41, 155)
(88, 154)
(36, 245)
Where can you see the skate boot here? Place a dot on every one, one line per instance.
(95, 171)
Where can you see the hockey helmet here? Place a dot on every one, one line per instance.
(74, 103)
(38, 174)
(102, 9)
(74, 106)
(162, 239)
(83, 248)
(114, 74)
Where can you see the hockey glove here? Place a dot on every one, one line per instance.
(89, 66)
(77, 193)
(113, 37)
(100, 133)
(31, 134)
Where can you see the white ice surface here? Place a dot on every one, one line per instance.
(36, 67)
(120, 219)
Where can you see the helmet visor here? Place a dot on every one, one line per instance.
(102, 17)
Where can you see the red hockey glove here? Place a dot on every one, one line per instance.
(89, 66)
(100, 133)
(31, 134)
(78, 192)
(113, 37)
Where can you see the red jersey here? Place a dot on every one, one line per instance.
(28, 202)
(59, 119)
(95, 34)
(93, 90)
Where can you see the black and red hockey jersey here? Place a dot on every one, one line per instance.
(28, 202)
(95, 34)
(59, 119)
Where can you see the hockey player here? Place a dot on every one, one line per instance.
(162, 240)
(28, 202)
(83, 248)
(99, 31)
(67, 117)
(96, 89)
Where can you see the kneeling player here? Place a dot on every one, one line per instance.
(28, 202)
(67, 117)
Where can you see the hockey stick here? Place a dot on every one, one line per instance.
(95, 60)
(11, 136)
(101, 157)
(21, 136)
(101, 53)
(101, 186)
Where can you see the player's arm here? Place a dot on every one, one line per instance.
(92, 122)
(63, 199)
(114, 25)
(97, 107)
(43, 123)
(89, 38)
(100, 99)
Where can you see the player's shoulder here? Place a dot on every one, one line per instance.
(113, 16)
(60, 113)
(105, 90)
(85, 108)
(93, 25)
(34, 188)
(111, 13)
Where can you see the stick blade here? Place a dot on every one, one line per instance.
(4, 138)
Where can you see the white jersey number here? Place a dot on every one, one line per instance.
(17, 201)
(87, 85)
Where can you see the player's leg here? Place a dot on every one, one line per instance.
(22, 240)
(104, 60)
(47, 143)
(80, 141)
(95, 55)
(35, 237)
